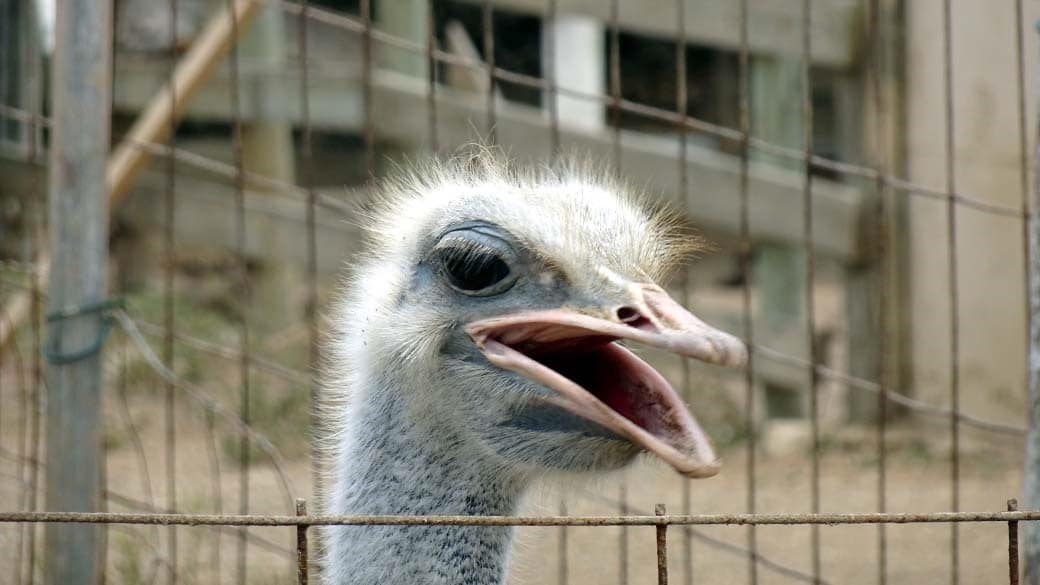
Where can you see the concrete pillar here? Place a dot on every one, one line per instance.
(574, 49)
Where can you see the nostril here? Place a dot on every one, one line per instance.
(634, 318)
(627, 314)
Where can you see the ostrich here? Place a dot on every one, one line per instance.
(475, 351)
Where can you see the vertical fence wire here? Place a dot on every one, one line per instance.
(123, 403)
(35, 313)
(746, 251)
(810, 280)
(19, 449)
(551, 95)
(681, 107)
(615, 102)
(661, 532)
(487, 15)
(1023, 148)
(432, 75)
(307, 180)
(1013, 571)
(242, 268)
(34, 228)
(217, 495)
(951, 256)
(368, 129)
(551, 78)
(169, 272)
(886, 269)
(302, 557)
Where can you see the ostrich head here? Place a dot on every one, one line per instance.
(490, 310)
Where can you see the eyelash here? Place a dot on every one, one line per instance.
(471, 267)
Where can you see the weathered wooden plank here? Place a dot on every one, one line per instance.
(401, 115)
(775, 25)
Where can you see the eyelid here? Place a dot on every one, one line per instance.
(467, 247)
(471, 241)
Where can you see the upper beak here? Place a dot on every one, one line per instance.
(650, 317)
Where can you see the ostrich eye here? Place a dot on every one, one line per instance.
(472, 271)
(476, 259)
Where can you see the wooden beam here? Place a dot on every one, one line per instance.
(400, 113)
(775, 25)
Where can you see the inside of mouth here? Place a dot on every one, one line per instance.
(615, 376)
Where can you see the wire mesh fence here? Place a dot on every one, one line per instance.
(226, 244)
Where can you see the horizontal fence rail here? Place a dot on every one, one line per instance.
(633, 520)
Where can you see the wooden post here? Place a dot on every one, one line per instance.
(82, 76)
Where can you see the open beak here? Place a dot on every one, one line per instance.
(575, 354)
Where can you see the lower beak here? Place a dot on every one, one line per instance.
(607, 384)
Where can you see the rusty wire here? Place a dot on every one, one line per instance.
(169, 314)
(745, 259)
(761, 519)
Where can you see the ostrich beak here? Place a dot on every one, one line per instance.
(574, 352)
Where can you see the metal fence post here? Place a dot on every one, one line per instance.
(79, 241)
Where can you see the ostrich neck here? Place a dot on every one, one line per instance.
(392, 464)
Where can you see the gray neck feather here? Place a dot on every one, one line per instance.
(396, 463)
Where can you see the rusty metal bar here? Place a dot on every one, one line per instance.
(301, 544)
(1012, 505)
(661, 531)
